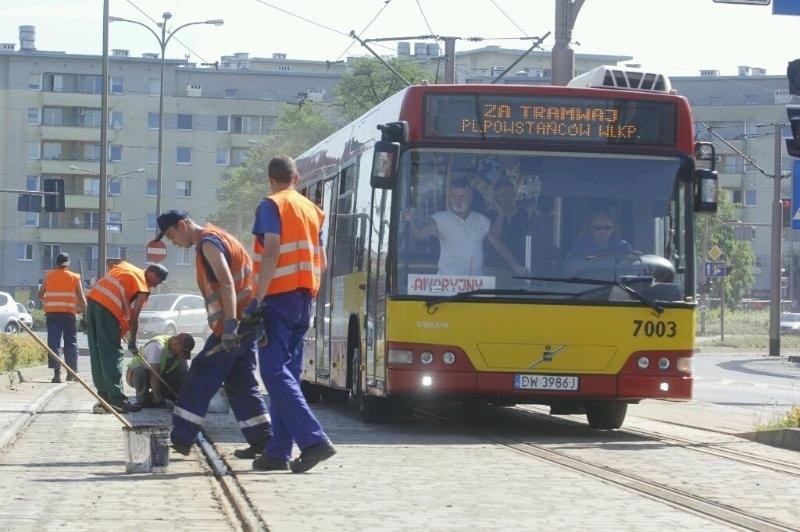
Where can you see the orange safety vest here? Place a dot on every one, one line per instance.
(241, 267)
(61, 291)
(117, 289)
(299, 256)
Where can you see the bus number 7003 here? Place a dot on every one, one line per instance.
(655, 328)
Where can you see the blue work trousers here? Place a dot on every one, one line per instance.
(287, 317)
(236, 371)
(62, 325)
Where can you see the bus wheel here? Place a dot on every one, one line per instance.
(605, 415)
(310, 392)
(374, 409)
(335, 395)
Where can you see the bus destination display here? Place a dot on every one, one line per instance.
(543, 118)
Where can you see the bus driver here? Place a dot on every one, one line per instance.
(461, 232)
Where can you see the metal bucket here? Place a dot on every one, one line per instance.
(146, 448)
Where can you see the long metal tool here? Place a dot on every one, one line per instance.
(157, 374)
(75, 376)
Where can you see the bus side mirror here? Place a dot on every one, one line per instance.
(706, 190)
(384, 164)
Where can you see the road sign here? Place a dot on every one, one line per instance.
(715, 269)
(714, 252)
(156, 251)
(796, 194)
(786, 7)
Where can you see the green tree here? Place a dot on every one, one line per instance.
(738, 254)
(242, 187)
(368, 82)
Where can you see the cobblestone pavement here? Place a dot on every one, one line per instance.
(67, 471)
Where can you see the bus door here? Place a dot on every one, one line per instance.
(376, 287)
(322, 312)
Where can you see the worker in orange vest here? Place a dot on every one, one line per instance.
(224, 273)
(61, 294)
(113, 311)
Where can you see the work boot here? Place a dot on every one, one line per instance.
(56, 375)
(124, 406)
(311, 456)
(70, 377)
(181, 448)
(250, 452)
(270, 463)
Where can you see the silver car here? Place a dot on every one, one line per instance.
(9, 314)
(25, 316)
(172, 314)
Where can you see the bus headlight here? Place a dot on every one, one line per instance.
(426, 357)
(643, 362)
(663, 363)
(401, 356)
(449, 358)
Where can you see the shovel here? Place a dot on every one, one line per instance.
(75, 376)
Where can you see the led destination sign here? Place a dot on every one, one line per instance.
(538, 118)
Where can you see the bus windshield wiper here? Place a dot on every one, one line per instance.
(464, 296)
(602, 282)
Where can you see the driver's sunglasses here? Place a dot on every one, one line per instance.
(601, 227)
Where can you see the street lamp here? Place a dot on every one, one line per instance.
(163, 40)
(102, 225)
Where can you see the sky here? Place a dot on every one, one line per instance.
(676, 37)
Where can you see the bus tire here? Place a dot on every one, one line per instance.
(335, 395)
(606, 415)
(374, 409)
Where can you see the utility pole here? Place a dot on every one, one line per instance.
(449, 59)
(562, 59)
(103, 205)
(777, 228)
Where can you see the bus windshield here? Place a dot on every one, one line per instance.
(469, 221)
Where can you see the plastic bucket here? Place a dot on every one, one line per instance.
(146, 449)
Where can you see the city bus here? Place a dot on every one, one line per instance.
(396, 322)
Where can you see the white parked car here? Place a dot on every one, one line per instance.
(25, 316)
(9, 314)
(790, 323)
(172, 314)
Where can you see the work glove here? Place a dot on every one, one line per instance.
(230, 340)
(253, 312)
(133, 348)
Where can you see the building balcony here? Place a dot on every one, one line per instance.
(69, 235)
(62, 166)
(89, 134)
(69, 99)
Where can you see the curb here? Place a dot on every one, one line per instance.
(783, 438)
(10, 380)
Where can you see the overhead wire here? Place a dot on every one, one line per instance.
(157, 23)
(385, 4)
(508, 17)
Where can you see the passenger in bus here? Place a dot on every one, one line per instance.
(509, 224)
(600, 237)
(461, 233)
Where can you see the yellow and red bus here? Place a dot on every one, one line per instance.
(581, 330)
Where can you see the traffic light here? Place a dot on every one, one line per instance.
(54, 202)
(786, 212)
(793, 73)
(793, 142)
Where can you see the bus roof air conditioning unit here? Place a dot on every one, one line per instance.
(614, 77)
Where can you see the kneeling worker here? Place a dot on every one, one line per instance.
(168, 357)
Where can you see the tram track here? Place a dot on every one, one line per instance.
(238, 509)
(676, 497)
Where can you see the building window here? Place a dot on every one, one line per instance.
(746, 198)
(32, 218)
(118, 251)
(116, 85)
(152, 120)
(239, 156)
(151, 189)
(115, 187)
(184, 122)
(222, 123)
(91, 152)
(33, 150)
(114, 222)
(24, 251)
(150, 222)
(152, 154)
(91, 186)
(183, 189)
(35, 82)
(115, 119)
(115, 152)
(51, 151)
(230, 93)
(184, 155)
(223, 157)
(183, 256)
(154, 87)
(34, 115)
